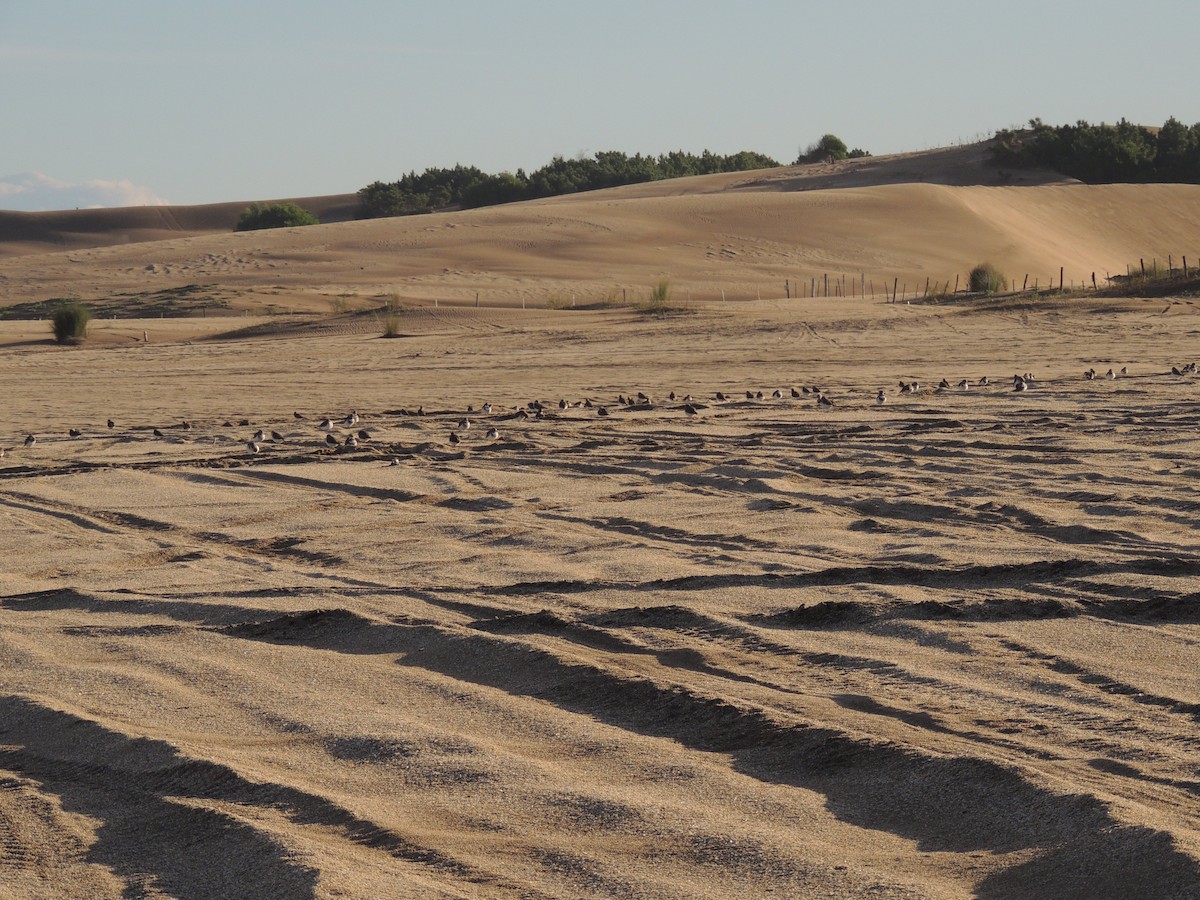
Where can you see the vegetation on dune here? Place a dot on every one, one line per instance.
(70, 323)
(1106, 154)
(470, 187)
(985, 278)
(829, 147)
(274, 215)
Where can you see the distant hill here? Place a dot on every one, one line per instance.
(76, 229)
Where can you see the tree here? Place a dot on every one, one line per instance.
(830, 146)
(275, 215)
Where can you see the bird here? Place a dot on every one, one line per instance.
(253, 446)
(470, 408)
(395, 461)
(487, 409)
(1124, 370)
(297, 415)
(226, 424)
(364, 435)
(777, 394)
(943, 384)
(984, 381)
(30, 440)
(493, 434)
(1090, 374)
(1110, 375)
(464, 424)
(758, 395)
(1020, 385)
(749, 395)
(1175, 370)
(602, 411)
(643, 397)
(719, 396)
(562, 404)
(905, 388)
(689, 409)
(420, 410)
(587, 403)
(964, 385)
(795, 393)
(112, 424)
(453, 437)
(326, 424)
(351, 418)
(351, 441)
(276, 436)
(822, 400)
(259, 435)
(331, 440)
(687, 398)
(185, 425)
(157, 433)
(671, 396)
(880, 398)
(74, 432)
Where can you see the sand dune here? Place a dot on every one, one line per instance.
(907, 221)
(940, 647)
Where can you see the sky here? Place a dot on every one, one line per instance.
(126, 102)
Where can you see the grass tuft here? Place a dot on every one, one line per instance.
(70, 323)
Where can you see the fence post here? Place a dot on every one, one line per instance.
(956, 274)
(1094, 288)
(895, 284)
(826, 284)
(787, 289)
(1185, 275)
(1061, 269)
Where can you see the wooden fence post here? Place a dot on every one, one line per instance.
(895, 284)
(1061, 269)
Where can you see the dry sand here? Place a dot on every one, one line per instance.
(942, 647)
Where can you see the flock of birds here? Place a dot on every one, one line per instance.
(349, 436)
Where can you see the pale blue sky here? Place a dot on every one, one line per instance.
(197, 102)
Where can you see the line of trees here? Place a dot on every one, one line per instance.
(1105, 154)
(469, 187)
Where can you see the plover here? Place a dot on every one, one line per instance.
(112, 424)
(259, 435)
(253, 446)
(74, 432)
(364, 435)
(331, 440)
(689, 409)
(795, 393)
(984, 381)
(880, 398)
(297, 415)
(487, 409)
(158, 432)
(1110, 375)
(493, 434)
(276, 436)
(326, 425)
(777, 394)
(454, 437)
(964, 385)
(1020, 385)
(602, 411)
(464, 424)
(719, 396)
(351, 418)
(30, 440)
(351, 441)
(822, 400)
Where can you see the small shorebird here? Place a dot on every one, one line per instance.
(602, 411)
(158, 433)
(1019, 384)
(74, 432)
(259, 435)
(276, 436)
(364, 435)
(880, 398)
(112, 424)
(464, 424)
(297, 415)
(351, 441)
(326, 425)
(689, 409)
(493, 434)
(253, 446)
(822, 400)
(185, 425)
(1090, 374)
(719, 396)
(964, 385)
(395, 461)
(1124, 370)
(795, 393)
(351, 419)
(331, 440)
(453, 437)
(943, 384)
(30, 440)
(777, 394)
(984, 381)
(1110, 375)
(487, 409)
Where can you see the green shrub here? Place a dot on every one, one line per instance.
(276, 215)
(391, 324)
(987, 279)
(70, 323)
